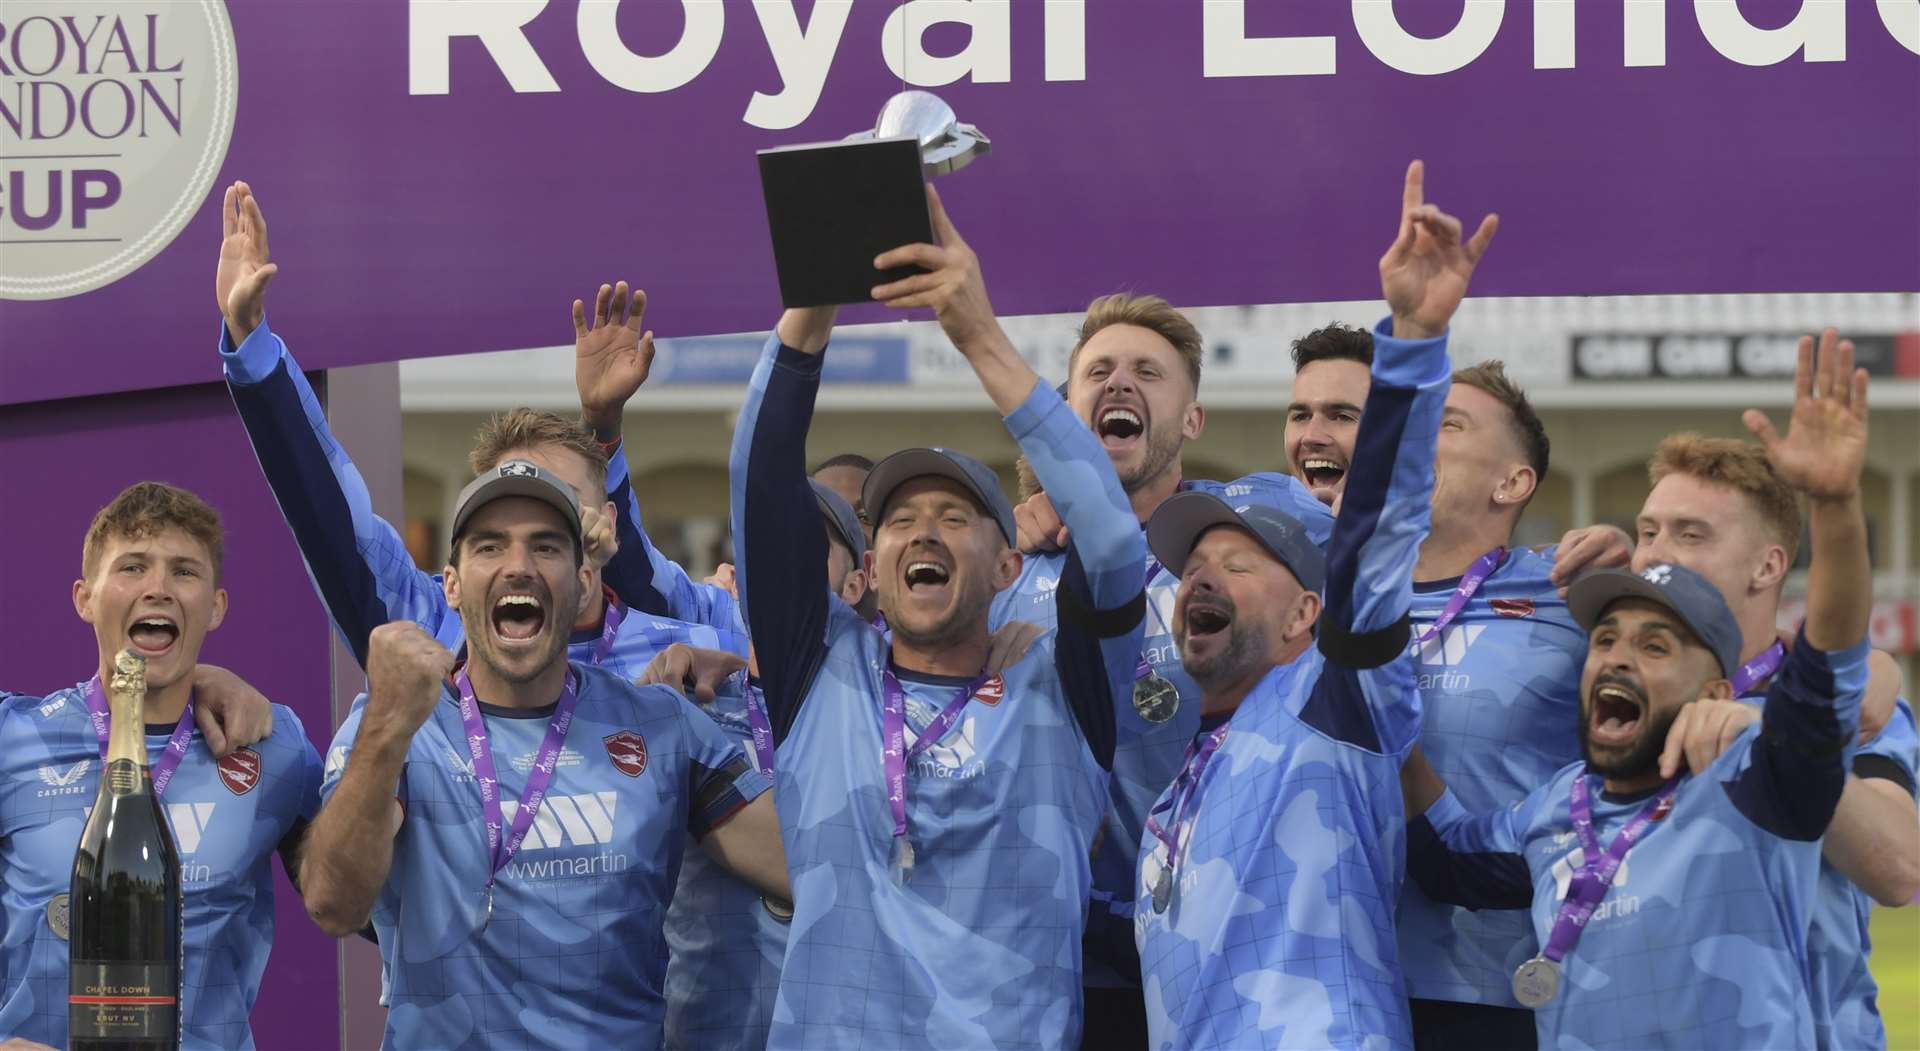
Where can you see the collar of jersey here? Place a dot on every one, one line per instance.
(1435, 587)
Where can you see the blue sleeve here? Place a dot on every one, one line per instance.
(1100, 605)
(1894, 752)
(640, 575)
(1366, 694)
(1797, 767)
(286, 720)
(355, 559)
(1468, 860)
(780, 540)
(722, 779)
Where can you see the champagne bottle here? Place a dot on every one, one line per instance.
(123, 953)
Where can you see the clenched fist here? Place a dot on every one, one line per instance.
(405, 670)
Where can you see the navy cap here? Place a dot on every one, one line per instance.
(1689, 595)
(841, 519)
(1179, 523)
(518, 478)
(907, 464)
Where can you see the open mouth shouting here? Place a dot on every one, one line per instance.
(1205, 621)
(1119, 425)
(517, 617)
(926, 577)
(153, 635)
(1615, 711)
(1322, 474)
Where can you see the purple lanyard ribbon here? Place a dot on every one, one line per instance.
(760, 727)
(177, 744)
(1186, 789)
(893, 725)
(1759, 669)
(539, 776)
(1589, 884)
(609, 630)
(1463, 592)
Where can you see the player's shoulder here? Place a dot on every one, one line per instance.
(288, 737)
(849, 634)
(1039, 574)
(1545, 811)
(609, 696)
(28, 713)
(1274, 487)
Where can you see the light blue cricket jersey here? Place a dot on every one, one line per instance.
(1846, 1010)
(1146, 754)
(574, 954)
(1279, 930)
(1500, 715)
(980, 946)
(725, 946)
(229, 817)
(1701, 941)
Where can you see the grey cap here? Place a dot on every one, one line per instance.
(1177, 526)
(907, 464)
(518, 478)
(841, 519)
(1689, 595)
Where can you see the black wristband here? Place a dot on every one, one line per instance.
(1369, 649)
(1870, 766)
(1101, 623)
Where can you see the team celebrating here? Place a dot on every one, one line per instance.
(1317, 757)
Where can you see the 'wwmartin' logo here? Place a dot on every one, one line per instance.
(190, 821)
(1450, 646)
(580, 821)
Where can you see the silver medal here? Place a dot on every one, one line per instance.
(486, 912)
(1163, 890)
(1155, 698)
(1536, 982)
(778, 909)
(58, 915)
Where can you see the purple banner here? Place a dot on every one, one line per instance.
(445, 176)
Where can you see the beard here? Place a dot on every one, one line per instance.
(477, 613)
(1244, 653)
(967, 614)
(1162, 448)
(1638, 759)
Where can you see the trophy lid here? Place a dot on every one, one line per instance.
(946, 145)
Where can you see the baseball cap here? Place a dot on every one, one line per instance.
(1689, 595)
(907, 464)
(518, 478)
(841, 519)
(1179, 522)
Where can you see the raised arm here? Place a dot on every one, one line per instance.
(358, 562)
(780, 540)
(1365, 696)
(1797, 772)
(612, 357)
(349, 848)
(1099, 601)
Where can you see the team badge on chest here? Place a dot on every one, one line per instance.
(628, 751)
(240, 771)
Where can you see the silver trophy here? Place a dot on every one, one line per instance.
(946, 145)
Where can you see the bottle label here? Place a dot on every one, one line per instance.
(123, 777)
(121, 1001)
